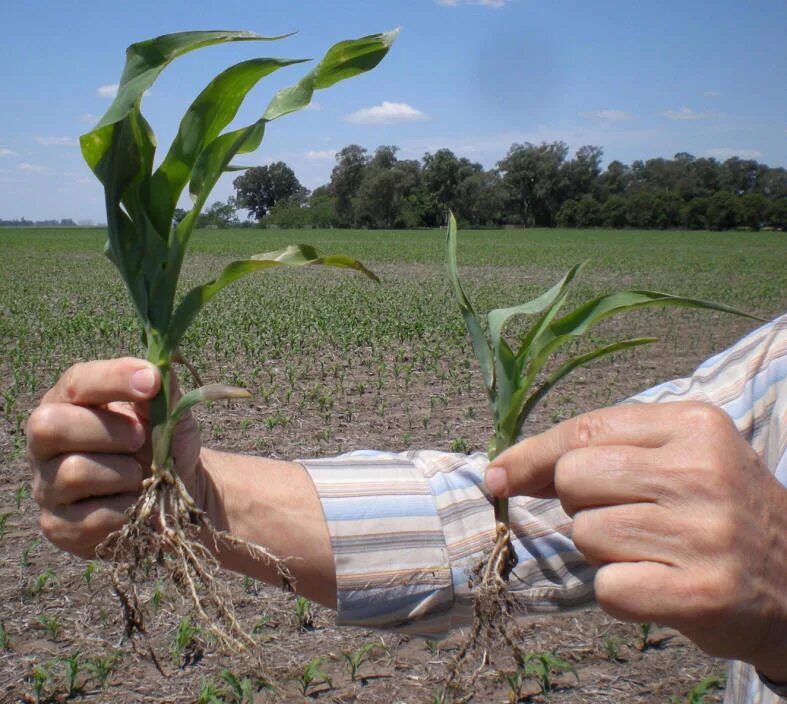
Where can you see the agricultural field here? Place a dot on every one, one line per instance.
(334, 363)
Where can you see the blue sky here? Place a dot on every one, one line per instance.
(640, 79)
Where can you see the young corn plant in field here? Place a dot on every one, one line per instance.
(516, 381)
(148, 250)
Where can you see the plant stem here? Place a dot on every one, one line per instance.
(161, 404)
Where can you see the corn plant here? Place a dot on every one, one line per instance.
(5, 640)
(540, 666)
(516, 381)
(43, 579)
(87, 575)
(644, 633)
(72, 667)
(359, 656)
(304, 614)
(24, 557)
(4, 522)
(241, 690)
(52, 625)
(186, 642)
(100, 667)
(148, 250)
(699, 691)
(311, 674)
(40, 681)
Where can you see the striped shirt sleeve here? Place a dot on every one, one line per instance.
(407, 528)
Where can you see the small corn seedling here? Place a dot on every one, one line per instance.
(4, 522)
(100, 667)
(312, 674)
(187, 645)
(40, 681)
(359, 656)
(241, 690)
(516, 380)
(73, 666)
(304, 614)
(148, 249)
(700, 690)
(27, 551)
(644, 635)
(52, 625)
(45, 578)
(5, 639)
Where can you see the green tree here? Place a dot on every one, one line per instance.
(259, 188)
(220, 215)
(443, 173)
(777, 214)
(532, 176)
(346, 179)
(722, 213)
(481, 198)
(753, 210)
(614, 213)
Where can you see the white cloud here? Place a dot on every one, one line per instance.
(687, 114)
(611, 115)
(56, 141)
(724, 153)
(386, 114)
(317, 155)
(89, 118)
(712, 94)
(6, 152)
(483, 3)
(108, 91)
(34, 168)
(313, 106)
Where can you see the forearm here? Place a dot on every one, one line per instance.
(272, 504)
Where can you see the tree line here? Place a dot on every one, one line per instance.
(534, 185)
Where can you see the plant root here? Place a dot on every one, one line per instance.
(494, 622)
(167, 537)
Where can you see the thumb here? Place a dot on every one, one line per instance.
(527, 468)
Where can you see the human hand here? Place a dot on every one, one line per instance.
(89, 449)
(687, 525)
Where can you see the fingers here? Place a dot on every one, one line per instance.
(68, 479)
(99, 382)
(60, 428)
(608, 475)
(644, 592)
(629, 533)
(80, 527)
(528, 467)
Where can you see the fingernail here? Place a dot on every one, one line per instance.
(497, 481)
(143, 381)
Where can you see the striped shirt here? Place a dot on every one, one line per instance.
(407, 528)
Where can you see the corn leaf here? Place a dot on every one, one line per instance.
(585, 316)
(210, 392)
(212, 110)
(497, 318)
(568, 367)
(294, 255)
(481, 347)
(343, 60)
(146, 60)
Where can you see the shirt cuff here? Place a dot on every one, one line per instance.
(389, 548)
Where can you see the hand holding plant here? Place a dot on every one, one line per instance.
(167, 527)
(516, 380)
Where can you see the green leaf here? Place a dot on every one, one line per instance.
(294, 255)
(499, 317)
(478, 338)
(211, 111)
(585, 316)
(146, 60)
(343, 60)
(568, 367)
(210, 392)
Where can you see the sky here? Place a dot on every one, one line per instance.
(640, 79)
